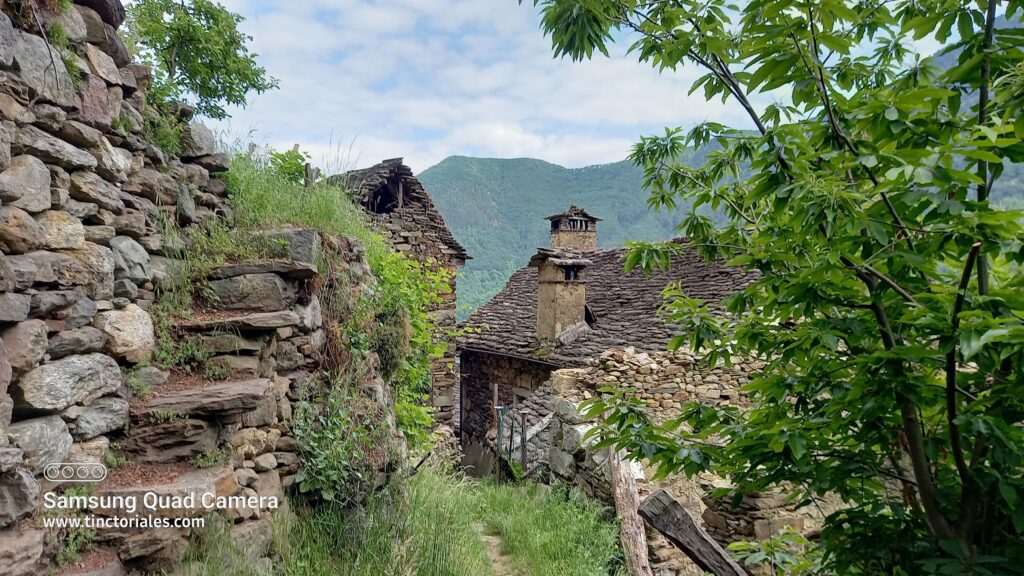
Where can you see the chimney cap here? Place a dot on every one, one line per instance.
(575, 212)
(558, 257)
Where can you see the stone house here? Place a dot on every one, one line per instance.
(400, 207)
(571, 303)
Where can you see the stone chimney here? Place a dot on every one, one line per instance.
(561, 294)
(574, 229)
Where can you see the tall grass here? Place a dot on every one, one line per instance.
(550, 532)
(263, 197)
(423, 528)
(430, 526)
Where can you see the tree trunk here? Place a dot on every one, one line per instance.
(627, 502)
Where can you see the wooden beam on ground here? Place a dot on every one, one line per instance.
(667, 516)
(627, 502)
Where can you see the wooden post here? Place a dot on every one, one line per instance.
(627, 501)
(667, 516)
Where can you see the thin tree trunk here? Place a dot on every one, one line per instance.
(627, 502)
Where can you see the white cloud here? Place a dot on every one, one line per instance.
(426, 79)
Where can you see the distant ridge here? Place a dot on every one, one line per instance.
(496, 209)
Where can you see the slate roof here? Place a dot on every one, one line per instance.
(364, 182)
(625, 307)
(575, 212)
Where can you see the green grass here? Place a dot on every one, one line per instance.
(550, 532)
(431, 526)
(400, 532)
(263, 197)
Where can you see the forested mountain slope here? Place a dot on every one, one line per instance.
(496, 209)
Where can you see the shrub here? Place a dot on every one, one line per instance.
(339, 435)
(290, 164)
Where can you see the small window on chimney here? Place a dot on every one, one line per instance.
(572, 273)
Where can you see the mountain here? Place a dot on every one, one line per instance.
(496, 209)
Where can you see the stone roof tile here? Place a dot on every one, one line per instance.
(625, 307)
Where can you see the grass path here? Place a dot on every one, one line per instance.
(500, 565)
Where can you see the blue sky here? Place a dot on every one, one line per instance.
(364, 80)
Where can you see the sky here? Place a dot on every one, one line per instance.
(365, 80)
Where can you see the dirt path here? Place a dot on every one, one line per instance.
(499, 562)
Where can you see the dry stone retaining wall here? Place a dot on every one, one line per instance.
(664, 381)
(84, 198)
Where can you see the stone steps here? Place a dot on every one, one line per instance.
(285, 268)
(245, 322)
(222, 399)
(218, 481)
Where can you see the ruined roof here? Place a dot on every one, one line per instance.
(624, 305)
(575, 212)
(417, 209)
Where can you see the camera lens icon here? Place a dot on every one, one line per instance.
(75, 472)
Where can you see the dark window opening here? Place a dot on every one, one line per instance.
(387, 198)
(572, 273)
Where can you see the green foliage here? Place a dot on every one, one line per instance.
(414, 417)
(888, 302)
(291, 164)
(210, 459)
(58, 39)
(161, 416)
(115, 461)
(390, 339)
(786, 552)
(397, 533)
(163, 131)
(337, 434)
(75, 540)
(139, 388)
(197, 53)
(406, 289)
(411, 287)
(121, 125)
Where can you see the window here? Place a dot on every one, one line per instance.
(387, 198)
(572, 273)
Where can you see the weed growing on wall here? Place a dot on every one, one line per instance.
(341, 435)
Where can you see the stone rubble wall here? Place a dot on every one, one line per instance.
(418, 230)
(664, 381)
(84, 198)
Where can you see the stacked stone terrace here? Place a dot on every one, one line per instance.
(84, 198)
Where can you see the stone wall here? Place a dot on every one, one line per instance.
(84, 198)
(519, 382)
(664, 381)
(417, 229)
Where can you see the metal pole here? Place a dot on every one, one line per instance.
(522, 438)
(500, 411)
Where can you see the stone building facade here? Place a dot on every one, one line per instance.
(401, 208)
(573, 322)
(569, 305)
